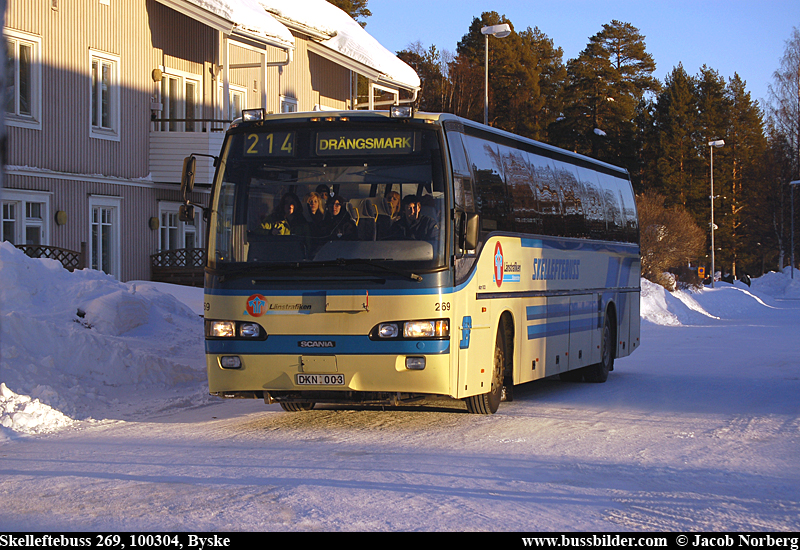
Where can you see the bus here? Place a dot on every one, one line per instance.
(506, 261)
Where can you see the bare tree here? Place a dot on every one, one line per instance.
(669, 237)
(784, 97)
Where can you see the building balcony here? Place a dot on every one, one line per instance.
(170, 143)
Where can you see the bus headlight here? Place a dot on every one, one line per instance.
(388, 330)
(221, 329)
(234, 329)
(436, 328)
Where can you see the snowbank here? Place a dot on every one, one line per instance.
(725, 301)
(77, 345)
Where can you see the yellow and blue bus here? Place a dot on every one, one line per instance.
(442, 257)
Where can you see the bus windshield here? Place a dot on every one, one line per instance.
(300, 194)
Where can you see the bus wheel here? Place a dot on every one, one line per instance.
(297, 407)
(487, 403)
(599, 373)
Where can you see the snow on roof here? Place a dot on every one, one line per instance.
(346, 36)
(338, 31)
(249, 17)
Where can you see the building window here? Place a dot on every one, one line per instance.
(288, 104)
(25, 217)
(179, 97)
(104, 234)
(23, 80)
(238, 101)
(105, 96)
(174, 233)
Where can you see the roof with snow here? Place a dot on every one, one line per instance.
(330, 28)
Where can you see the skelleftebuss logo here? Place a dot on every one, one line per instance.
(256, 304)
(498, 264)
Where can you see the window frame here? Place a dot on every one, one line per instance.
(183, 228)
(287, 101)
(183, 79)
(114, 203)
(21, 200)
(34, 120)
(111, 132)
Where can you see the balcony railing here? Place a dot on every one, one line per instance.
(181, 266)
(70, 259)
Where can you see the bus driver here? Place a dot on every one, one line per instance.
(413, 225)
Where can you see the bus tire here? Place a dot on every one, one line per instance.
(297, 407)
(598, 373)
(488, 403)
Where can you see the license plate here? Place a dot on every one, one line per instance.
(320, 379)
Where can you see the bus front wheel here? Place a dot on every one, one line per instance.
(488, 403)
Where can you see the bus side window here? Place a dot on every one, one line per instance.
(490, 187)
(594, 205)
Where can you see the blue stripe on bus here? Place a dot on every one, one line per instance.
(344, 345)
(560, 328)
(549, 311)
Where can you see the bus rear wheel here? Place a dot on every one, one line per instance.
(488, 403)
(297, 407)
(599, 373)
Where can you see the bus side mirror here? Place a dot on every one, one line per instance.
(187, 176)
(472, 231)
(186, 213)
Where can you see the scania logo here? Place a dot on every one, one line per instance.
(316, 344)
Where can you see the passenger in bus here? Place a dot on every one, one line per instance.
(287, 219)
(324, 193)
(338, 224)
(393, 198)
(413, 225)
(314, 213)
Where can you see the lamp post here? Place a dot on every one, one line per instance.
(498, 31)
(713, 144)
(793, 184)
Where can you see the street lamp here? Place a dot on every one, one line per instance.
(498, 31)
(792, 184)
(713, 144)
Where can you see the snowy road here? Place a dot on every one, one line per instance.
(661, 446)
(699, 430)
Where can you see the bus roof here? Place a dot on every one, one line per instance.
(433, 118)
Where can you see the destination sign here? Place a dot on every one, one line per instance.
(386, 142)
(273, 144)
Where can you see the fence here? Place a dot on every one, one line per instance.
(182, 266)
(70, 259)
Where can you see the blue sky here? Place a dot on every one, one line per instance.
(735, 36)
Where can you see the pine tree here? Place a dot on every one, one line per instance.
(676, 169)
(746, 146)
(607, 82)
(353, 8)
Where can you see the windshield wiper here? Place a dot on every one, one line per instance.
(247, 271)
(258, 269)
(373, 263)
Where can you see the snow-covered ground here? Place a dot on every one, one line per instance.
(107, 425)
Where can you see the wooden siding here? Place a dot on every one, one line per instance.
(141, 167)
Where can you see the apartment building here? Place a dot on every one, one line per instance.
(106, 97)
